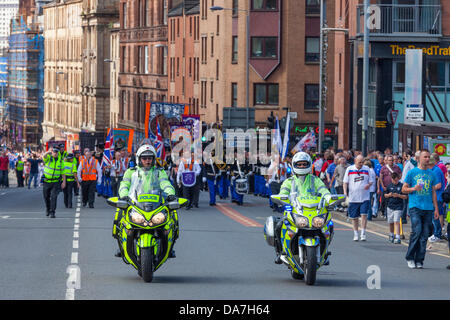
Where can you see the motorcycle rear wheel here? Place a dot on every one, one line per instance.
(311, 265)
(146, 264)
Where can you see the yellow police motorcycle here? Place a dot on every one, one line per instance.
(306, 232)
(146, 227)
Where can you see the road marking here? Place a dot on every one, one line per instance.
(236, 216)
(74, 258)
(73, 281)
(386, 237)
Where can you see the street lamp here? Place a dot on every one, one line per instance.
(323, 63)
(247, 27)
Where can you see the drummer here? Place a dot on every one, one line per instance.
(188, 172)
(236, 173)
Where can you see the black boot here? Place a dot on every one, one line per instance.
(172, 254)
(118, 254)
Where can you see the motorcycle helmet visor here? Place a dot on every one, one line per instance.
(301, 164)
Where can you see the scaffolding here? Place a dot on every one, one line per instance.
(25, 104)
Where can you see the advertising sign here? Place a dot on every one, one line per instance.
(413, 86)
(442, 148)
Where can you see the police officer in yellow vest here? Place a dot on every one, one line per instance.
(69, 179)
(52, 180)
(19, 172)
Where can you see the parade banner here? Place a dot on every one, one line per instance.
(123, 138)
(167, 110)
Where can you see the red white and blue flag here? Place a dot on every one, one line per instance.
(159, 143)
(108, 152)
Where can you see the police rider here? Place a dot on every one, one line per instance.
(303, 182)
(147, 171)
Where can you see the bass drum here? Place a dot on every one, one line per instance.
(241, 186)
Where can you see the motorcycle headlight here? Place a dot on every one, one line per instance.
(301, 221)
(318, 222)
(158, 218)
(136, 217)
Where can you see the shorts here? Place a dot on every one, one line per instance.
(393, 215)
(357, 209)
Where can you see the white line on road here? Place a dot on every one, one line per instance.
(74, 279)
(74, 258)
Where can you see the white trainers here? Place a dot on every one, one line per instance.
(411, 264)
(355, 237)
(363, 237)
(419, 265)
(433, 239)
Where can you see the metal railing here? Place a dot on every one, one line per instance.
(417, 20)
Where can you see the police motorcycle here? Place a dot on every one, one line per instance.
(306, 232)
(146, 227)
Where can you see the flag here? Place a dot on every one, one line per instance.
(159, 143)
(286, 138)
(308, 141)
(109, 149)
(277, 138)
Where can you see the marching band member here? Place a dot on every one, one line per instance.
(188, 171)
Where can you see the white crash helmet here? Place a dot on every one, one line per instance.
(146, 150)
(302, 157)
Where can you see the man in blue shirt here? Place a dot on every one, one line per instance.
(438, 223)
(420, 184)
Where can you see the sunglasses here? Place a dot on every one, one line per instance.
(146, 158)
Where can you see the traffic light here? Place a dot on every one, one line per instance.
(271, 121)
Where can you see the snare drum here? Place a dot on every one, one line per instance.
(241, 186)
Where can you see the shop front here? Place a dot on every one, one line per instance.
(388, 63)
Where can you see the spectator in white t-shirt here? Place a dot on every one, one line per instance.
(357, 183)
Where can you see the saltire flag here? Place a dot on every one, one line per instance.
(159, 143)
(308, 141)
(286, 138)
(108, 152)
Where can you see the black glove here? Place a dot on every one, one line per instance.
(171, 198)
(126, 198)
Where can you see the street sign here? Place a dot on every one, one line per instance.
(414, 112)
(293, 115)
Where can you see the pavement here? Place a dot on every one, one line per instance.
(380, 226)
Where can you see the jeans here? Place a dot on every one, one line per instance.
(3, 177)
(369, 214)
(421, 226)
(437, 223)
(374, 208)
(35, 177)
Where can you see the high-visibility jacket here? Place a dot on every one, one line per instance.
(153, 179)
(52, 169)
(89, 169)
(19, 166)
(70, 170)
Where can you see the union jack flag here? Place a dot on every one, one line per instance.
(159, 143)
(108, 152)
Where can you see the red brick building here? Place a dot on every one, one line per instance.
(143, 59)
(184, 54)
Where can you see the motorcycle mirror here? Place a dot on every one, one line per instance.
(121, 204)
(174, 205)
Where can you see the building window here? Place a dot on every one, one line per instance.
(311, 97)
(264, 5)
(124, 15)
(146, 57)
(234, 56)
(436, 73)
(217, 69)
(212, 91)
(218, 24)
(235, 8)
(264, 47)
(204, 49)
(234, 94)
(212, 46)
(266, 94)
(312, 49)
(312, 7)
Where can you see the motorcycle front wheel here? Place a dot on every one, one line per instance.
(147, 264)
(311, 265)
